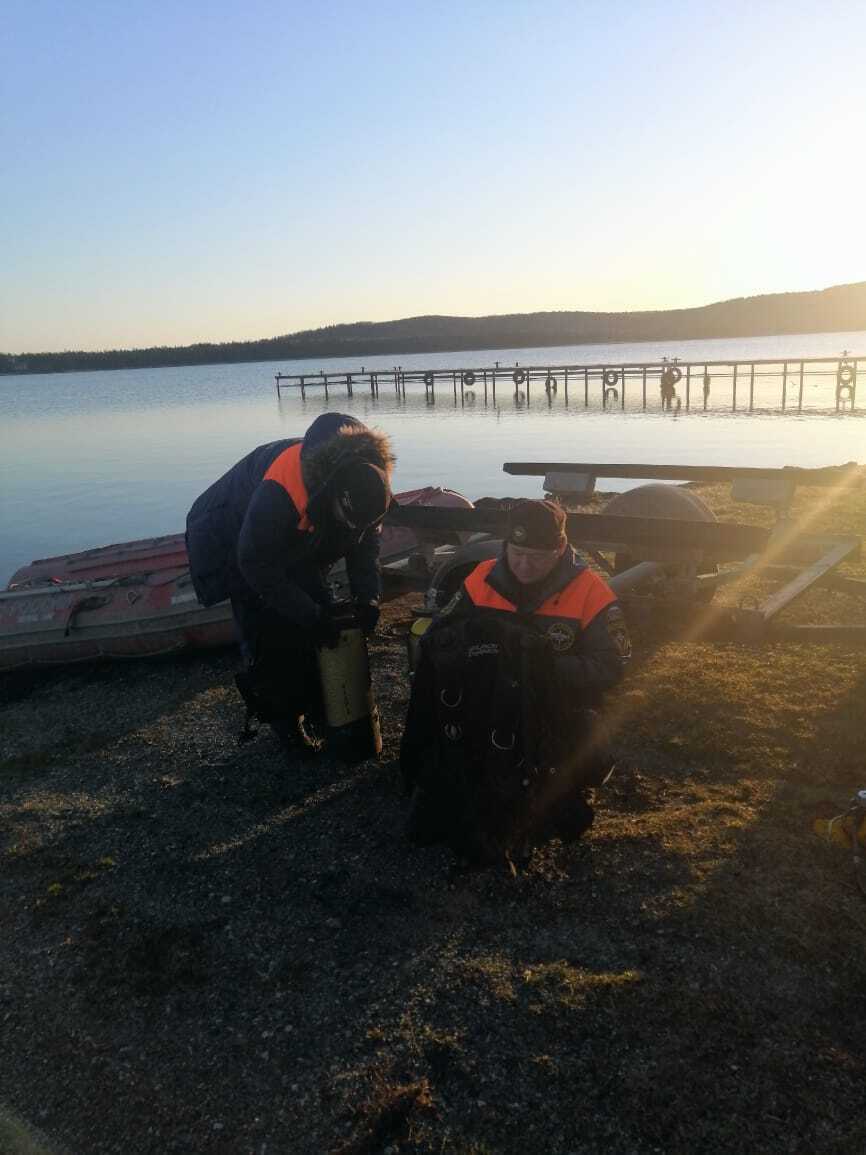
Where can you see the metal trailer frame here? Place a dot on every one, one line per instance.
(670, 552)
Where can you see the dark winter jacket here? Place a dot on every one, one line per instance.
(247, 537)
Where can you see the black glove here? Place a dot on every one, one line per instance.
(367, 615)
(326, 632)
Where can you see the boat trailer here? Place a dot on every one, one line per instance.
(666, 555)
(660, 547)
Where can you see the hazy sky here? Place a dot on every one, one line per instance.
(207, 170)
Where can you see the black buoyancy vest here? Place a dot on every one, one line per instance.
(497, 741)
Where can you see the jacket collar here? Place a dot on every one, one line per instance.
(503, 581)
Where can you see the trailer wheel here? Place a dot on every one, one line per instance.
(667, 501)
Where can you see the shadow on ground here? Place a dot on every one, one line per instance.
(212, 951)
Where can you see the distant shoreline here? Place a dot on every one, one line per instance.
(836, 310)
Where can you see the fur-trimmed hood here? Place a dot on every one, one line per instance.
(335, 438)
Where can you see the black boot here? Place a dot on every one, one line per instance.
(575, 819)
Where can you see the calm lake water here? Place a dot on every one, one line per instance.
(87, 459)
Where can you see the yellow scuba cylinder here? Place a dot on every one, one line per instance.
(849, 830)
(351, 715)
(413, 640)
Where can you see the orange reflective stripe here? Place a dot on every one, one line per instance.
(286, 471)
(481, 594)
(583, 598)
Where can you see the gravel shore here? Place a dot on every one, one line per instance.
(205, 949)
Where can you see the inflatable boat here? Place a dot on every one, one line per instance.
(136, 599)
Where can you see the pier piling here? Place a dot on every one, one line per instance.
(834, 380)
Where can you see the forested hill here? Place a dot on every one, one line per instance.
(837, 309)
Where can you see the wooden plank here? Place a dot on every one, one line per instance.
(808, 577)
(827, 475)
(723, 541)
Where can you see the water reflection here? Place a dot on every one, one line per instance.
(88, 459)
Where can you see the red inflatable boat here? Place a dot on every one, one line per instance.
(136, 599)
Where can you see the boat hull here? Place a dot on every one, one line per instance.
(136, 599)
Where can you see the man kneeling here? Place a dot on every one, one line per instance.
(502, 740)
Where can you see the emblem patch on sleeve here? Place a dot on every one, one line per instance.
(618, 631)
(561, 637)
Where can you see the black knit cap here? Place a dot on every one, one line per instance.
(363, 492)
(536, 524)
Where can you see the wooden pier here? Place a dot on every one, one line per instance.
(810, 384)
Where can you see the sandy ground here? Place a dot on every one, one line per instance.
(205, 948)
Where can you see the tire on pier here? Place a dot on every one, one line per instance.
(665, 501)
(846, 374)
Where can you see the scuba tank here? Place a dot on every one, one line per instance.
(849, 830)
(413, 640)
(351, 715)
